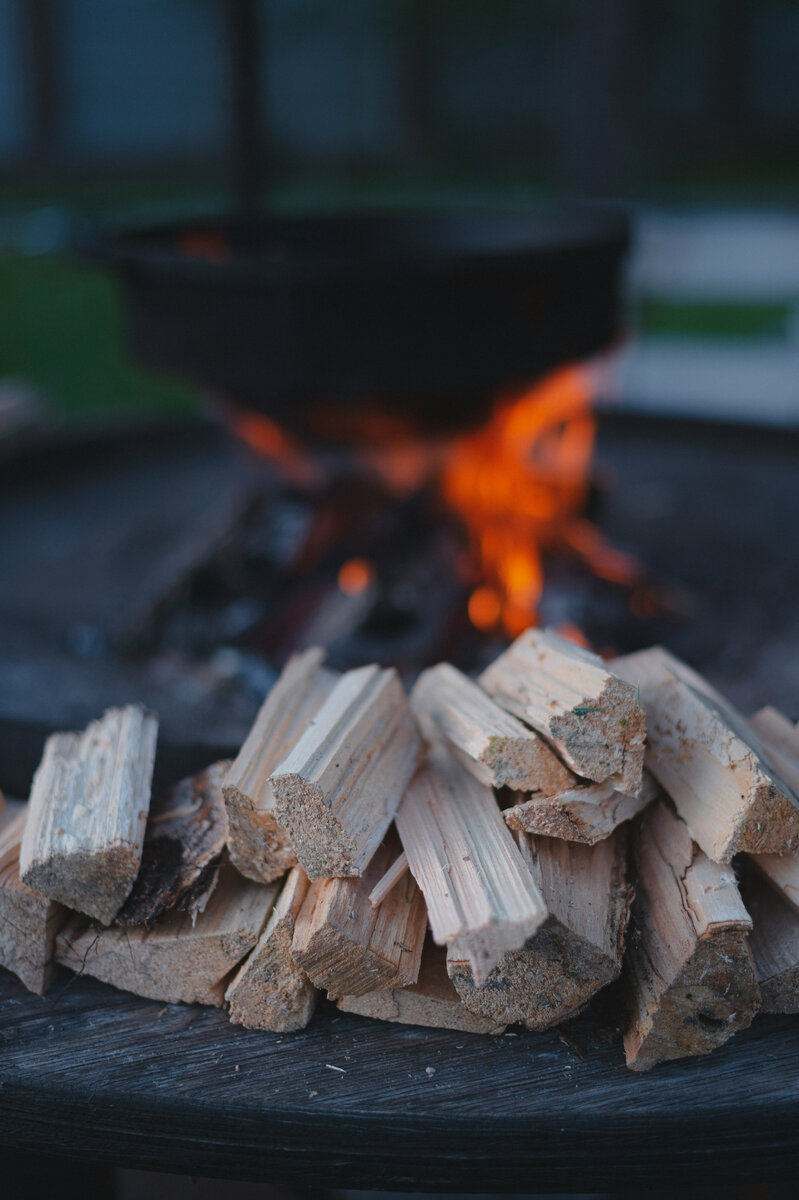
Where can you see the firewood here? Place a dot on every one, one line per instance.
(183, 844)
(774, 943)
(581, 814)
(350, 948)
(83, 838)
(717, 772)
(177, 961)
(592, 718)
(577, 950)
(270, 990)
(28, 922)
(781, 740)
(481, 897)
(431, 1001)
(388, 881)
(337, 790)
(496, 746)
(258, 846)
(689, 969)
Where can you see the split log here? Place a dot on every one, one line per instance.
(258, 846)
(717, 772)
(270, 990)
(83, 838)
(28, 922)
(350, 948)
(689, 969)
(337, 790)
(431, 1001)
(592, 718)
(774, 943)
(578, 949)
(183, 843)
(388, 881)
(177, 961)
(496, 746)
(481, 898)
(781, 740)
(582, 814)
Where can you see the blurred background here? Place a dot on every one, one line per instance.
(686, 109)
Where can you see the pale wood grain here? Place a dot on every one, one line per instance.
(582, 814)
(28, 922)
(337, 790)
(389, 880)
(350, 948)
(270, 990)
(259, 847)
(177, 961)
(774, 943)
(432, 1001)
(83, 837)
(481, 898)
(689, 969)
(718, 773)
(590, 716)
(578, 949)
(497, 747)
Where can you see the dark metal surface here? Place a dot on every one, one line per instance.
(91, 1072)
(425, 317)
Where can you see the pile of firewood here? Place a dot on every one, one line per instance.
(475, 855)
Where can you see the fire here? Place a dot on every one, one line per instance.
(355, 576)
(520, 485)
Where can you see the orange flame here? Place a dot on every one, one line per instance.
(355, 576)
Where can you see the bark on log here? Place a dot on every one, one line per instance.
(28, 922)
(689, 970)
(774, 943)
(270, 990)
(592, 718)
(717, 772)
(183, 843)
(83, 837)
(577, 951)
(259, 847)
(337, 790)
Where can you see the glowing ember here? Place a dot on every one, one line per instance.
(271, 442)
(355, 576)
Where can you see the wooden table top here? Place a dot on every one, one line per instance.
(93, 1073)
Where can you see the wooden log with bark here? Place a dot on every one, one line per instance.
(592, 718)
(347, 946)
(496, 746)
(577, 950)
(83, 838)
(259, 847)
(270, 990)
(431, 1001)
(177, 961)
(337, 790)
(689, 969)
(183, 843)
(774, 943)
(28, 922)
(581, 814)
(716, 770)
(481, 897)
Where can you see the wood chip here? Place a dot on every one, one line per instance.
(177, 961)
(717, 772)
(774, 943)
(481, 898)
(183, 843)
(578, 949)
(270, 990)
(689, 968)
(350, 948)
(337, 790)
(592, 718)
(259, 847)
(391, 878)
(28, 922)
(497, 747)
(83, 838)
(432, 1001)
(583, 814)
